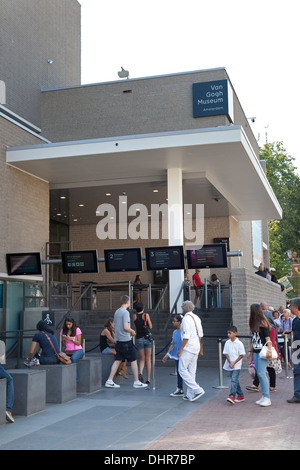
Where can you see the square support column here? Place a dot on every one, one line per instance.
(175, 228)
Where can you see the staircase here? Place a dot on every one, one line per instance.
(214, 322)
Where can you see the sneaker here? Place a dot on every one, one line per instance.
(111, 384)
(239, 399)
(231, 399)
(265, 402)
(139, 384)
(9, 417)
(178, 393)
(197, 395)
(141, 379)
(252, 388)
(294, 400)
(185, 398)
(35, 362)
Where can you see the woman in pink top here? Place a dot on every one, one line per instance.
(71, 340)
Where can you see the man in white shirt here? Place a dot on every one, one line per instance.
(191, 333)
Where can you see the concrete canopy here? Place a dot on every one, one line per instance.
(221, 156)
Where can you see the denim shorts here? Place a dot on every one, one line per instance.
(106, 350)
(125, 351)
(142, 343)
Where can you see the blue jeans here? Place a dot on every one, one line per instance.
(261, 370)
(9, 388)
(235, 388)
(77, 354)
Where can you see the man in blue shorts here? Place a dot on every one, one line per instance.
(124, 347)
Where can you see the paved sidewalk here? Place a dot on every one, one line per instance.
(127, 419)
(218, 425)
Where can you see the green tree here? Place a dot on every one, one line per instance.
(284, 235)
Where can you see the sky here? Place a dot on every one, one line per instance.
(256, 41)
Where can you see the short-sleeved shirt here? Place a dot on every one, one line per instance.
(233, 349)
(259, 338)
(189, 331)
(121, 316)
(45, 345)
(70, 346)
(197, 280)
(176, 341)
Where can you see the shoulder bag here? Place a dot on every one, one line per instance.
(264, 350)
(62, 357)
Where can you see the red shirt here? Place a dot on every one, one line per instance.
(197, 280)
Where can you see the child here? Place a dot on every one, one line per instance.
(172, 353)
(234, 351)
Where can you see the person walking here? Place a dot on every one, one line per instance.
(124, 345)
(234, 351)
(172, 353)
(143, 341)
(191, 333)
(295, 309)
(260, 332)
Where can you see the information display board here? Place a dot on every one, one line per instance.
(77, 262)
(164, 258)
(209, 256)
(23, 264)
(123, 259)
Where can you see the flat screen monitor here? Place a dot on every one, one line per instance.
(20, 264)
(164, 258)
(123, 259)
(78, 262)
(209, 256)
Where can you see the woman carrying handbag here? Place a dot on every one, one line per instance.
(261, 349)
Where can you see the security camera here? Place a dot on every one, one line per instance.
(252, 119)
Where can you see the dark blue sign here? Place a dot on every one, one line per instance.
(212, 99)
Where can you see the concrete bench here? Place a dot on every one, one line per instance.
(60, 382)
(2, 401)
(89, 374)
(29, 391)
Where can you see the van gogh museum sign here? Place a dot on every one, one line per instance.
(213, 99)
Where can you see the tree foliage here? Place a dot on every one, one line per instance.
(284, 235)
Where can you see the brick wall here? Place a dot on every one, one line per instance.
(24, 200)
(31, 32)
(249, 288)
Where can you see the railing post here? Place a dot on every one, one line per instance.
(153, 365)
(220, 366)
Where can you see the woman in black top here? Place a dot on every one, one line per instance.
(260, 332)
(143, 341)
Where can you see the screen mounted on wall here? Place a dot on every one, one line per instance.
(209, 256)
(164, 258)
(77, 262)
(23, 264)
(123, 259)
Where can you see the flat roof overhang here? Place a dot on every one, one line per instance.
(223, 155)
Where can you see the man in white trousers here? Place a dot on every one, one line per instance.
(191, 333)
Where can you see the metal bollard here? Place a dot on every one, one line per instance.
(286, 359)
(153, 365)
(220, 366)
